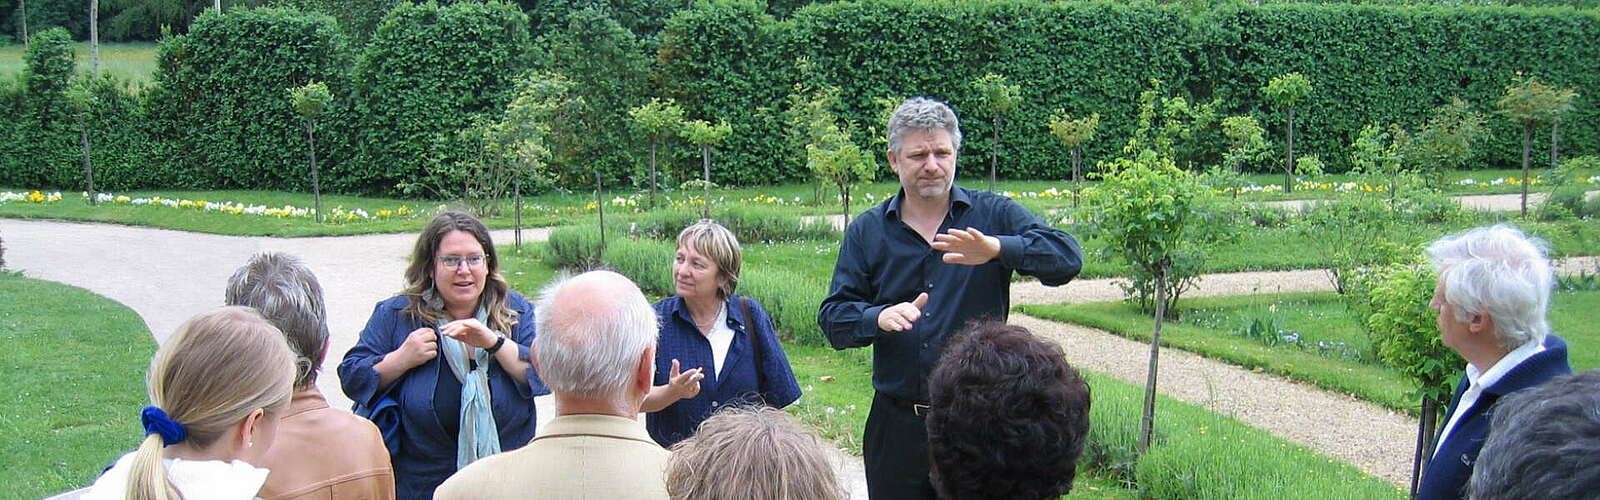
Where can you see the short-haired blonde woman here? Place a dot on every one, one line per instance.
(752, 453)
(449, 356)
(217, 389)
(716, 348)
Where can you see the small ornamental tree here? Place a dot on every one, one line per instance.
(1247, 144)
(702, 133)
(838, 161)
(1406, 336)
(1145, 212)
(1445, 142)
(310, 101)
(1376, 155)
(657, 120)
(1074, 133)
(1286, 92)
(998, 99)
(81, 99)
(1532, 103)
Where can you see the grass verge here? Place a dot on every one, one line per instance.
(73, 383)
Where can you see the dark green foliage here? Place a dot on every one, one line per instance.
(220, 101)
(41, 141)
(609, 70)
(575, 247)
(428, 72)
(648, 262)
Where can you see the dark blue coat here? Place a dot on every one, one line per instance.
(1451, 467)
(767, 380)
(427, 433)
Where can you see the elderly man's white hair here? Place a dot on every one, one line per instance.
(1500, 272)
(592, 329)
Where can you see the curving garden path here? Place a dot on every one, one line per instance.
(167, 276)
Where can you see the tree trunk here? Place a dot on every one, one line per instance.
(652, 173)
(994, 152)
(1527, 156)
(216, 4)
(88, 163)
(516, 192)
(316, 181)
(1288, 159)
(1077, 173)
(1425, 442)
(844, 197)
(1148, 421)
(1555, 127)
(94, 38)
(705, 165)
(23, 6)
(601, 206)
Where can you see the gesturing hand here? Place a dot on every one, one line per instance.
(900, 317)
(970, 246)
(471, 332)
(420, 346)
(685, 384)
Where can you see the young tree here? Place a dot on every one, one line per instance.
(22, 5)
(94, 38)
(837, 160)
(1404, 333)
(1286, 92)
(1531, 103)
(657, 119)
(702, 133)
(998, 99)
(1074, 133)
(310, 101)
(1145, 212)
(1445, 142)
(81, 100)
(1247, 144)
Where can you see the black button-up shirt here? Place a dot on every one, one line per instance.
(883, 262)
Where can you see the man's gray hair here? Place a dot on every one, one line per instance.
(921, 113)
(590, 341)
(1500, 272)
(287, 294)
(1544, 442)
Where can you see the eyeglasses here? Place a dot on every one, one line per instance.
(454, 261)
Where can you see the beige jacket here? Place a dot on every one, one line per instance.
(574, 456)
(321, 453)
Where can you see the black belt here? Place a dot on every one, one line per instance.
(917, 408)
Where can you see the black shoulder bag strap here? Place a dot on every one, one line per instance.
(750, 333)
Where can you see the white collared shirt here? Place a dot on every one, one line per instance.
(721, 338)
(1477, 381)
(209, 479)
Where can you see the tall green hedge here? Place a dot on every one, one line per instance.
(428, 71)
(41, 140)
(222, 104)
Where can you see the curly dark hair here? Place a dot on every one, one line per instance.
(1009, 416)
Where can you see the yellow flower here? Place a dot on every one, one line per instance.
(385, 213)
(36, 197)
(201, 203)
(403, 210)
(185, 203)
(122, 199)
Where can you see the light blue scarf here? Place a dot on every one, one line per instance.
(479, 436)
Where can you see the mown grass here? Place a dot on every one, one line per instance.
(72, 379)
(1213, 327)
(134, 62)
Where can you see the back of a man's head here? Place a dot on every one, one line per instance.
(1544, 442)
(593, 329)
(996, 377)
(752, 453)
(287, 294)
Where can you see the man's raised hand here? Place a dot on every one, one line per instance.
(966, 246)
(900, 317)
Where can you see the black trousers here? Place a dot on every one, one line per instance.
(896, 451)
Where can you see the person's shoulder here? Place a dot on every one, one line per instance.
(870, 219)
(517, 301)
(668, 305)
(394, 303)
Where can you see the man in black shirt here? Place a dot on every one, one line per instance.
(915, 268)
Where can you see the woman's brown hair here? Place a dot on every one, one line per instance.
(425, 303)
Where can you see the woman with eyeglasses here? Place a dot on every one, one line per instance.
(443, 367)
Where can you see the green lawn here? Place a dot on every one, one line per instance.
(73, 384)
(134, 62)
(1328, 349)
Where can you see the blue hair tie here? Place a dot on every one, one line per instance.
(156, 421)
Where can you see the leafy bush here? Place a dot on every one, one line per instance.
(790, 298)
(648, 262)
(42, 146)
(1564, 203)
(749, 224)
(1404, 332)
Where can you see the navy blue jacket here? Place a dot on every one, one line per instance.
(883, 262)
(1451, 467)
(744, 379)
(427, 454)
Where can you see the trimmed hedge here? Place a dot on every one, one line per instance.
(42, 140)
(221, 102)
(429, 71)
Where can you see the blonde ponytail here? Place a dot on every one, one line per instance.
(211, 374)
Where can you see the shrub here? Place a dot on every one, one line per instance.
(790, 298)
(648, 262)
(42, 147)
(1564, 203)
(429, 71)
(219, 97)
(749, 224)
(576, 247)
